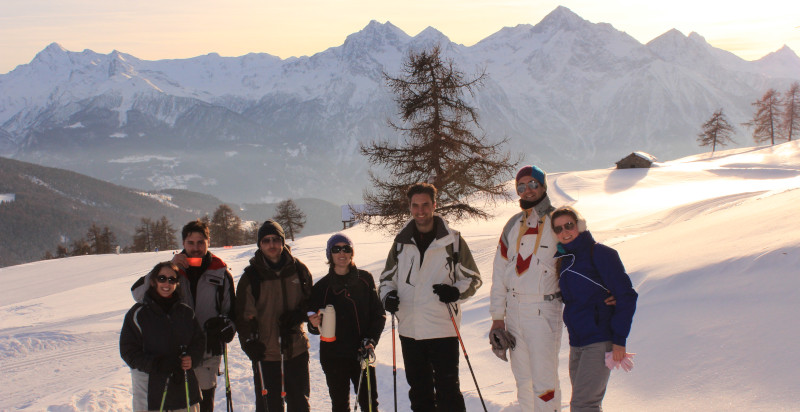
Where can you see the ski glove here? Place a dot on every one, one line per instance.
(254, 349)
(290, 319)
(391, 303)
(626, 363)
(501, 340)
(219, 331)
(167, 365)
(447, 293)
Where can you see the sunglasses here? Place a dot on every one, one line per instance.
(164, 279)
(533, 185)
(345, 249)
(268, 240)
(565, 226)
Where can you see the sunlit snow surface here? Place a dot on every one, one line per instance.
(712, 246)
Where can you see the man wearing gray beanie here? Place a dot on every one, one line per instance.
(274, 292)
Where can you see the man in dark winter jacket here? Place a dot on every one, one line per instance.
(272, 297)
(207, 287)
(428, 269)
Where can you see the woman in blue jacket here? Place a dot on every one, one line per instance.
(589, 273)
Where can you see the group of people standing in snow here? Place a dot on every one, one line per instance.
(175, 336)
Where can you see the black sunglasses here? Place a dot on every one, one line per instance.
(271, 239)
(164, 279)
(533, 185)
(565, 226)
(345, 249)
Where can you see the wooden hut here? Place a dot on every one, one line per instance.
(636, 160)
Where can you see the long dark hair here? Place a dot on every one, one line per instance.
(157, 268)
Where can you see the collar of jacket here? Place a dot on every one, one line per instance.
(406, 234)
(543, 207)
(582, 242)
(259, 263)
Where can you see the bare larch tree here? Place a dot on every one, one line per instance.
(438, 146)
(716, 131)
(290, 217)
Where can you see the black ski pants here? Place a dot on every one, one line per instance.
(295, 380)
(339, 373)
(432, 373)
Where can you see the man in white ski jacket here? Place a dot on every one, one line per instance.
(525, 298)
(429, 267)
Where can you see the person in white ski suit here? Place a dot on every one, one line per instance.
(525, 297)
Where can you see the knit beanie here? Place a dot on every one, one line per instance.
(533, 171)
(337, 238)
(270, 227)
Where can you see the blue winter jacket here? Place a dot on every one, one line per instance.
(589, 273)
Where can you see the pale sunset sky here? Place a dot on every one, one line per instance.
(154, 30)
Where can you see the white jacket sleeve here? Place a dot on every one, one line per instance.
(497, 301)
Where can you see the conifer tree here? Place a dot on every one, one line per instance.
(290, 217)
(225, 227)
(439, 146)
(766, 119)
(791, 112)
(716, 131)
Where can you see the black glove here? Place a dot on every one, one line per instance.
(167, 364)
(290, 319)
(254, 349)
(365, 352)
(219, 331)
(391, 303)
(447, 293)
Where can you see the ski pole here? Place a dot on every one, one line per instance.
(464, 349)
(263, 386)
(394, 366)
(283, 384)
(369, 388)
(358, 389)
(185, 378)
(228, 394)
(164, 396)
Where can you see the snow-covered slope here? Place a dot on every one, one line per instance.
(710, 243)
(574, 94)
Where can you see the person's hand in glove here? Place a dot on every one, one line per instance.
(254, 349)
(167, 364)
(391, 303)
(501, 340)
(290, 319)
(219, 331)
(367, 350)
(447, 293)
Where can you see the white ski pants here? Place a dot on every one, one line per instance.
(537, 327)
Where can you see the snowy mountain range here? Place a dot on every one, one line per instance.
(570, 94)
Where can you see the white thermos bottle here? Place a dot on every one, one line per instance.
(328, 327)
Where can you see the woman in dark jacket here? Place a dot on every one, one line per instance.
(359, 322)
(589, 273)
(160, 340)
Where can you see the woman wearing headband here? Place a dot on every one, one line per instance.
(589, 273)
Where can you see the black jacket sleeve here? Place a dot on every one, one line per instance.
(377, 316)
(131, 347)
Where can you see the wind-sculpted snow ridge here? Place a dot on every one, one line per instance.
(713, 255)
